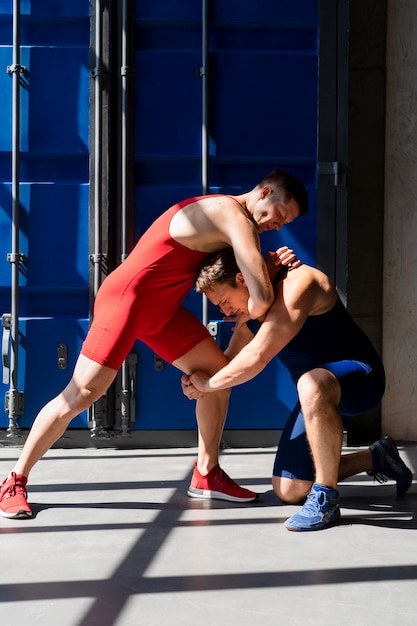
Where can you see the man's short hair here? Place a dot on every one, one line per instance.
(218, 267)
(289, 186)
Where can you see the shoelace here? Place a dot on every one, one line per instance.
(380, 478)
(12, 489)
(313, 499)
(385, 458)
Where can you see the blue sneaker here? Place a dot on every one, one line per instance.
(387, 464)
(321, 509)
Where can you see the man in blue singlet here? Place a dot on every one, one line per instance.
(337, 371)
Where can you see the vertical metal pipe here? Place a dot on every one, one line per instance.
(14, 257)
(205, 136)
(124, 141)
(124, 74)
(205, 100)
(97, 146)
(15, 190)
(98, 409)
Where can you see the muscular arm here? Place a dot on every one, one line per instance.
(216, 222)
(239, 339)
(244, 240)
(286, 317)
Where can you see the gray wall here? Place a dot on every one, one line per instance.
(399, 416)
(365, 181)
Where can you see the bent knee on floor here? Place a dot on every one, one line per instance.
(290, 490)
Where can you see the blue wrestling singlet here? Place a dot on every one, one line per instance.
(335, 342)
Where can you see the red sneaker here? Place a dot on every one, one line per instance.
(217, 485)
(13, 497)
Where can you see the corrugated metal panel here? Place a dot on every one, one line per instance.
(263, 63)
(54, 191)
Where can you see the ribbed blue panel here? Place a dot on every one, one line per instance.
(263, 62)
(263, 113)
(54, 191)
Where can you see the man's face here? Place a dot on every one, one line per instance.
(271, 213)
(231, 300)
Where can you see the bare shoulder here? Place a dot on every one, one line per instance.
(308, 273)
(206, 223)
(300, 275)
(308, 286)
(216, 207)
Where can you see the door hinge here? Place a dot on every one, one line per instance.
(335, 169)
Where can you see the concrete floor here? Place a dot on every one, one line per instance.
(115, 541)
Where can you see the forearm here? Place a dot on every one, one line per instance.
(242, 368)
(259, 305)
(254, 270)
(283, 257)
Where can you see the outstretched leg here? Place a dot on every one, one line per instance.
(89, 381)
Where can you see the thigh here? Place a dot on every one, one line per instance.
(181, 335)
(206, 356)
(116, 323)
(362, 386)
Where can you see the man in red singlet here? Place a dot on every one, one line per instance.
(142, 299)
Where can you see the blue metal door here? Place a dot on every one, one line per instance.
(54, 194)
(262, 81)
(263, 89)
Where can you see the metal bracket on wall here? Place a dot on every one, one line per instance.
(125, 70)
(62, 358)
(98, 259)
(213, 328)
(204, 70)
(16, 68)
(126, 395)
(16, 257)
(98, 415)
(14, 403)
(335, 169)
(131, 362)
(6, 321)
